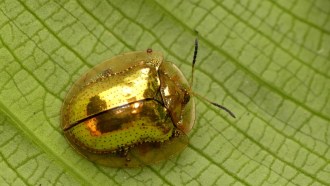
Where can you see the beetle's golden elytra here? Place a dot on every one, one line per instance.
(132, 110)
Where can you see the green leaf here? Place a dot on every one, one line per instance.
(268, 61)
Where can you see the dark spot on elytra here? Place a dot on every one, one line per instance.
(96, 105)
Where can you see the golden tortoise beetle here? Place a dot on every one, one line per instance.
(132, 110)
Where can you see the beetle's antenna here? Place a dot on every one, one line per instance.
(192, 81)
(215, 104)
(194, 60)
(224, 108)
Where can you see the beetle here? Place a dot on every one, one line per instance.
(135, 109)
